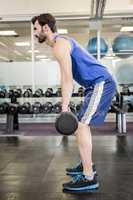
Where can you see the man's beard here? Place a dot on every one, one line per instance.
(42, 39)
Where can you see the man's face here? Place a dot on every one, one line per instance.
(39, 33)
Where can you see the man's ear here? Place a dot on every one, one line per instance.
(45, 28)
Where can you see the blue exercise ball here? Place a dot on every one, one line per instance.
(92, 47)
(123, 46)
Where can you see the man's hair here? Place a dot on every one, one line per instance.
(46, 18)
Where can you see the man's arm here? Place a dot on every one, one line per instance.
(62, 53)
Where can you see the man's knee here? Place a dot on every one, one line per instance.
(81, 126)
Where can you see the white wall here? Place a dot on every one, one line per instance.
(20, 73)
(48, 73)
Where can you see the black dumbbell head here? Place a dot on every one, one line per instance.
(38, 93)
(81, 92)
(36, 107)
(78, 106)
(2, 94)
(58, 92)
(10, 93)
(28, 93)
(57, 108)
(17, 93)
(25, 108)
(72, 106)
(49, 92)
(12, 109)
(66, 123)
(4, 108)
(47, 107)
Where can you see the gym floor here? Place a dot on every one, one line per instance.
(33, 168)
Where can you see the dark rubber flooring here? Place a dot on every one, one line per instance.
(48, 129)
(33, 168)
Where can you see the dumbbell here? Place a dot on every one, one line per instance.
(2, 93)
(12, 109)
(66, 123)
(58, 92)
(78, 106)
(49, 92)
(4, 108)
(81, 92)
(72, 106)
(13, 94)
(38, 93)
(28, 93)
(47, 107)
(57, 108)
(25, 108)
(36, 107)
(17, 93)
(10, 93)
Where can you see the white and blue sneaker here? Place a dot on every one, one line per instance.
(81, 184)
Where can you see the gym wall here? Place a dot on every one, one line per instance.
(20, 73)
(47, 73)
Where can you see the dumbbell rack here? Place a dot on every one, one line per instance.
(11, 131)
(41, 117)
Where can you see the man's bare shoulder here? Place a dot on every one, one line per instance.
(61, 44)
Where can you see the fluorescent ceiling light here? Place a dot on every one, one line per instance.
(2, 44)
(8, 33)
(41, 56)
(62, 31)
(35, 51)
(22, 44)
(126, 28)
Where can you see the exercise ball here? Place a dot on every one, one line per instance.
(92, 47)
(123, 46)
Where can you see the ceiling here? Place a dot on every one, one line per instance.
(26, 8)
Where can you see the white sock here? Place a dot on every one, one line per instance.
(89, 177)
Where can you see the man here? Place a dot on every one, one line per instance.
(76, 63)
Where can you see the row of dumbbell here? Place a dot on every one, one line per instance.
(38, 93)
(36, 108)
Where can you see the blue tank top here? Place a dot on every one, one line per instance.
(86, 70)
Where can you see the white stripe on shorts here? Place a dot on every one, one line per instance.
(94, 102)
